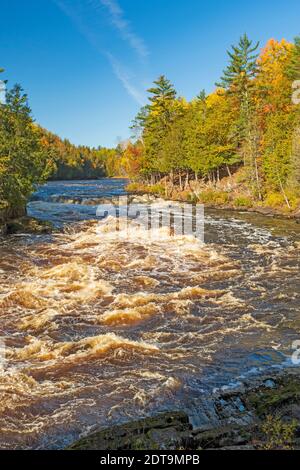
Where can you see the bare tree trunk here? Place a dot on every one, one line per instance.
(283, 192)
(257, 179)
(172, 178)
(180, 181)
(228, 171)
(186, 180)
(214, 178)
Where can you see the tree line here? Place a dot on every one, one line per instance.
(30, 155)
(249, 123)
(247, 128)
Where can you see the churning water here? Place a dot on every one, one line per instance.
(100, 328)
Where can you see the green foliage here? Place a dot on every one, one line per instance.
(276, 200)
(242, 201)
(278, 149)
(242, 66)
(155, 189)
(249, 124)
(238, 81)
(29, 155)
(278, 435)
(214, 197)
(23, 159)
(294, 66)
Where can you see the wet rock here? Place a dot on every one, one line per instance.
(269, 383)
(239, 447)
(27, 225)
(286, 394)
(165, 431)
(221, 437)
(228, 419)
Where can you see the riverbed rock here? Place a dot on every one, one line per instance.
(231, 419)
(164, 431)
(26, 225)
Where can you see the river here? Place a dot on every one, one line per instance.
(98, 328)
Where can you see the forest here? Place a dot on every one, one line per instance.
(246, 132)
(31, 155)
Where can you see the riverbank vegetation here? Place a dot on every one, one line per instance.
(29, 155)
(238, 145)
(23, 159)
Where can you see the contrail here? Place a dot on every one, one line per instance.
(124, 78)
(123, 26)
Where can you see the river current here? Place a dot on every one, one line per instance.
(98, 327)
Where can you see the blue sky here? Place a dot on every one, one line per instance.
(86, 64)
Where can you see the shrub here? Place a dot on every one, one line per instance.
(156, 189)
(133, 187)
(214, 197)
(146, 189)
(242, 176)
(277, 201)
(192, 197)
(242, 201)
(278, 435)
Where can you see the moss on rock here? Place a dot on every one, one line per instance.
(166, 430)
(27, 225)
(269, 400)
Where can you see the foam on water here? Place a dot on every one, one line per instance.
(101, 325)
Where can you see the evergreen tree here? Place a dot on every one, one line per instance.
(154, 121)
(238, 78)
(241, 69)
(294, 66)
(24, 161)
(238, 81)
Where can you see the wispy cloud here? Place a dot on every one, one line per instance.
(124, 77)
(117, 18)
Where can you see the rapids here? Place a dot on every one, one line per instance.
(98, 328)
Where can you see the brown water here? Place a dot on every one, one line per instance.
(99, 328)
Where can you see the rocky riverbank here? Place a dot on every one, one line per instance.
(263, 413)
(228, 195)
(25, 225)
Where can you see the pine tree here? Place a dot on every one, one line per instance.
(201, 96)
(24, 160)
(241, 69)
(154, 121)
(163, 91)
(294, 67)
(238, 81)
(238, 77)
